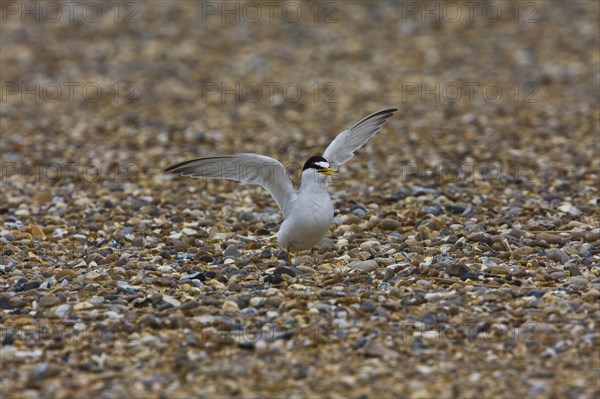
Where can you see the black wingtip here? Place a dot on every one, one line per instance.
(390, 110)
(173, 168)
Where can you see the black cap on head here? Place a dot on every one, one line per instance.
(312, 163)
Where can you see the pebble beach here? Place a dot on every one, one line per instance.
(464, 258)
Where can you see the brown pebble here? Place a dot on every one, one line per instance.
(389, 224)
(457, 269)
(181, 246)
(549, 238)
(591, 236)
(48, 301)
(65, 272)
(37, 231)
(352, 219)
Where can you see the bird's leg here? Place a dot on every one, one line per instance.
(289, 254)
(313, 251)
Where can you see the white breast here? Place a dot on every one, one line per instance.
(310, 219)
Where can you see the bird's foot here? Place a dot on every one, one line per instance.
(314, 254)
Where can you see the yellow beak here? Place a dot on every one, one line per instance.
(328, 172)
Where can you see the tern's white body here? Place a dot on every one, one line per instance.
(311, 214)
(308, 212)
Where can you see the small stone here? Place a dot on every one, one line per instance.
(431, 224)
(380, 350)
(557, 255)
(285, 270)
(424, 283)
(549, 238)
(64, 273)
(352, 219)
(48, 301)
(570, 209)
(274, 279)
(26, 286)
(8, 339)
(364, 266)
(18, 303)
(434, 210)
(257, 301)
(83, 305)
(359, 211)
(189, 232)
(61, 310)
(42, 371)
(22, 212)
(578, 282)
(266, 254)
(368, 305)
(189, 305)
(592, 295)
(230, 306)
(369, 244)
(558, 275)
(591, 236)
(389, 224)
(231, 252)
(306, 269)
(326, 244)
(96, 300)
(165, 269)
(5, 302)
(181, 246)
(37, 232)
(235, 287)
(430, 335)
(457, 269)
(171, 301)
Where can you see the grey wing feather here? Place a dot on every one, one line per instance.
(247, 168)
(342, 148)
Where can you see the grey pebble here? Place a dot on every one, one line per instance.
(5, 302)
(47, 301)
(457, 269)
(557, 255)
(389, 224)
(363, 266)
(368, 305)
(359, 211)
(61, 310)
(231, 252)
(42, 370)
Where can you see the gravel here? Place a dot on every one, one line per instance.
(464, 259)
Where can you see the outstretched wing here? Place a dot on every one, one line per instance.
(247, 168)
(342, 148)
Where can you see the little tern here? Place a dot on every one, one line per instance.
(307, 212)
